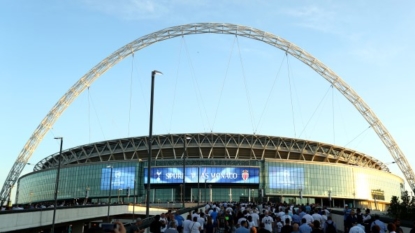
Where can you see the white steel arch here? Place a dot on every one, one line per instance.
(201, 28)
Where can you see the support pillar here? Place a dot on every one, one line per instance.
(78, 227)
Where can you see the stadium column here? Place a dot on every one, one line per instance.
(185, 138)
(77, 227)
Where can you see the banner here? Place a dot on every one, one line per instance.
(285, 177)
(233, 175)
(121, 178)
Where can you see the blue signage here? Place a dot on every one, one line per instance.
(122, 178)
(234, 175)
(285, 177)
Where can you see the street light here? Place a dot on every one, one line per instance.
(150, 140)
(109, 194)
(184, 166)
(57, 184)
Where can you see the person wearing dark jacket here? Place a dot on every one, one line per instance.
(155, 226)
(287, 228)
(262, 228)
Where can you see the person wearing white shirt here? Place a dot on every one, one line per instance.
(268, 222)
(241, 219)
(172, 228)
(186, 224)
(309, 219)
(327, 211)
(201, 220)
(164, 225)
(316, 216)
(286, 216)
(379, 223)
(194, 227)
(323, 218)
(195, 214)
(281, 212)
(357, 228)
(255, 218)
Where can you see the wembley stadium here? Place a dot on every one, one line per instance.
(217, 167)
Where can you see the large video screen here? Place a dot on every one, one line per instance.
(285, 177)
(235, 175)
(122, 178)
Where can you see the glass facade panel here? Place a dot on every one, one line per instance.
(84, 181)
(280, 180)
(320, 179)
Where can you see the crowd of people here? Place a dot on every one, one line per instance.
(246, 218)
(357, 222)
(268, 218)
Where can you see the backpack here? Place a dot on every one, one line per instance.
(330, 228)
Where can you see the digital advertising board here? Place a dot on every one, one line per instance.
(122, 178)
(233, 175)
(285, 177)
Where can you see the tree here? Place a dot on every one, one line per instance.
(394, 209)
(404, 209)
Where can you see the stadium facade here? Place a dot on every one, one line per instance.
(218, 167)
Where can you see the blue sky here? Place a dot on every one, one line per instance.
(216, 83)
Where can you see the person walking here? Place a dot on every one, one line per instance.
(172, 228)
(379, 223)
(209, 227)
(287, 228)
(305, 228)
(195, 226)
(330, 226)
(179, 220)
(136, 228)
(186, 224)
(268, 222)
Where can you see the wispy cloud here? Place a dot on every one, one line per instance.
(129, 9)
(313, 17)
(141, 9)
(377, 54)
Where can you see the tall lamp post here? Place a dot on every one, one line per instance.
(109, 194)
(150, 140)
(57, 185)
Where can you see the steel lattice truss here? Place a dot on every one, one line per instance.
(211, 146)
(201, 28)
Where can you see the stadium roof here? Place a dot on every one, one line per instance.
(214, 146)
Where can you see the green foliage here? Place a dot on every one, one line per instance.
(404, 208)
